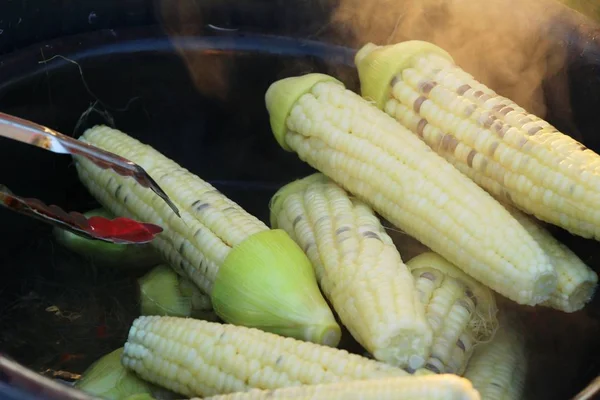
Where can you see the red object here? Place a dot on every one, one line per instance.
(67, 357)
(119, 230)
(101, 332)
(124, 229)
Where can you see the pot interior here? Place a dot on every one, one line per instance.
(60, 313)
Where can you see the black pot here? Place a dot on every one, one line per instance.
(198, 97)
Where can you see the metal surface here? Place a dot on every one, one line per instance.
(119, 230)
(40, 136)
(42, 388)
(590, 392)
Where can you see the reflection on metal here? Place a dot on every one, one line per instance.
(18, 376)
(592, 391)
(119, 230)
(37, 135)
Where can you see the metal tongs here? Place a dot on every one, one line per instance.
(118, 230)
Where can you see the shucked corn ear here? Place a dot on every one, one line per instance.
(516, 156)
(446, 387)
(123, 256)
(255, 276)
(577, 282)
(460, 311)
(164, 292)
(358, 268)
(375, 158)
(498, 369)
(200, 358)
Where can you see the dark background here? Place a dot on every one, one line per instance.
(24, 23)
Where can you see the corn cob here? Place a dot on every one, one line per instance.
(577, 282)
(164, 292)
(447, 387)
(376, 159)
(498, 369)
(254, 276)
(517, 157)
(460, 310)
(357, 267)
(200, 358)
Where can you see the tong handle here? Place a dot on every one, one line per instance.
(43, 137)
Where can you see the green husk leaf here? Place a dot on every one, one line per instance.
(160, 294)
(267, 282)
(377, 66)
(107, 254)
(164, 292)
(200, 301)
(141, 396)
(108, 379)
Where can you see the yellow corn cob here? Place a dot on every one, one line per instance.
(200, 358)
(254, 276)
(447, 387)
(358, 268)
(577, 282)
(498, 369)
(516, 156)
(460, 310)
(376, 159)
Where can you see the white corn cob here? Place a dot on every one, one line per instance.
(516, 156)
(373, 157)
(577, 282)
(199, 358)
(498, 369)
(254, 276)
(460, 310)
(446, 387)
(358, 268)
(215, 223)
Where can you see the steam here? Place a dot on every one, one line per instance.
(186, 19)
(587, 7)
(508, 45)
(512, 46)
